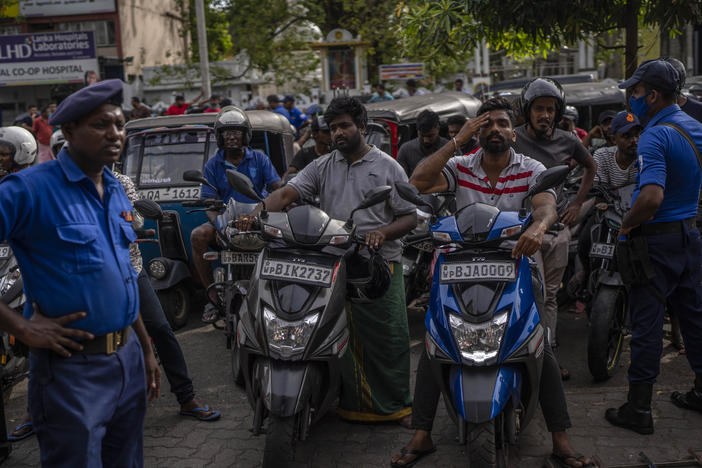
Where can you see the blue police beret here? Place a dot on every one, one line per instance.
(86, 100)
(657, 73)
(623, 122)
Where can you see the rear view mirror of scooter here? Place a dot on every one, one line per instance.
(549, 178)
(373, 197)
(244, 186)
(410, 193)
(193, 175)
(149, 209)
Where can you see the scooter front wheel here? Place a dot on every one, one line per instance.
(606, 339)
(279, 450)
(487, 447)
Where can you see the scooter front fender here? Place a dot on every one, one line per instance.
(287, 386)
(610, 278)
(479, 394)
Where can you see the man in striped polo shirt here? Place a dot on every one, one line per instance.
(495, 175)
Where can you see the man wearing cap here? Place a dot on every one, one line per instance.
(297, 118)
(69, 223)
(180, 106)
(662, 218)
(322, 145)
(599, 136)
(274, 105)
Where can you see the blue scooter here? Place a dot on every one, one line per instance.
(484, 335)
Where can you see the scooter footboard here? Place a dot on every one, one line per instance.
(287, 386)
(479, 394)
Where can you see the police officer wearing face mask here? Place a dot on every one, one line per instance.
(662, 221)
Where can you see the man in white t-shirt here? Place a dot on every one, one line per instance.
(499, 176)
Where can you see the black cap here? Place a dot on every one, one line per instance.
(273, 98)
(657, 73)
(608, 114)
(288, 98)
(86, 100)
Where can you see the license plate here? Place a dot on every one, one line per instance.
(4, 251)
(238, 258)
(170, 194)
(281, 270)
(602, 250)
(477, 271)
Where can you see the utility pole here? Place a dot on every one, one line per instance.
(202, 43)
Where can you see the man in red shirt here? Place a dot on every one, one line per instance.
(180, 106)
(214, 104)
(42, 131)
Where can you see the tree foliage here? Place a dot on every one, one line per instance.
(447, 28)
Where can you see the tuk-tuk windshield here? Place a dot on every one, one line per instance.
(166, 156)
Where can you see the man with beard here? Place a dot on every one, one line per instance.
(543, 103)
(376, 368)
(496, 175)
(233, 133)
(427, 142)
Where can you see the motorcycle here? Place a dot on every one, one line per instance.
(417, 257)
(608, 311)
(238, 259)
(292, 329)
(484, 337)
(14, 355)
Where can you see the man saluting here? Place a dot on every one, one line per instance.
(69, 223)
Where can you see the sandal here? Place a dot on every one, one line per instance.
(566, 461)
(419, 454)
(202, 414)
(21, 432)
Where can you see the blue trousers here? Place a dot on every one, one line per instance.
(88, 410)
(677, 261)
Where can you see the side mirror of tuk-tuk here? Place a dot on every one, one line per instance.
(373, 197)
(149, 209)
(193, 175)
(410, 193)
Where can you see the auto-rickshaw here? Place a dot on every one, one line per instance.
(157, 152)
(392, 123)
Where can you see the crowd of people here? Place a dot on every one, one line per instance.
(68, 256)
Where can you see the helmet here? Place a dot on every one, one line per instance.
(542, 87)
(680, 68)
(571, 113)
(231, 117)
(366, 278)
(57, 142)
(22, 142)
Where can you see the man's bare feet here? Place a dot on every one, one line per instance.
(420, 445)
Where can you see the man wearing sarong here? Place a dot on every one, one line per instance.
(376, 368)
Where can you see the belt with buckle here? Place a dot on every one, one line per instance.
(106, 344)
(671, 227)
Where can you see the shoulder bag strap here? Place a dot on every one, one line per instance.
(687, 137)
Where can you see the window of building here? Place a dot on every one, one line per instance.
(104, 30)
(9, 29)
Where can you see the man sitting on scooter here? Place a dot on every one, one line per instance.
(498, 176)
(233, 132)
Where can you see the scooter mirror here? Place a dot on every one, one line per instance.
(149, 209)
(193, 175)
(242, 184)
(410, 193)
(373, 197)
(548, 179)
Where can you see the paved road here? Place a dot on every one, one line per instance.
(174, 441)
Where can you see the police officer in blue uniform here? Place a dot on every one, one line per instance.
(662, 218)
(69, 223)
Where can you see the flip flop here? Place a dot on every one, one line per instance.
(561, 461)
(23, 435)
(419, 454)
(199, 414)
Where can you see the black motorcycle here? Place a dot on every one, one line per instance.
(608, 309)
(292, 329)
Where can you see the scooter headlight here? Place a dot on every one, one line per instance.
(249, 242)
(9, 280)
(157, 269)
(288, 338)
(479, 342)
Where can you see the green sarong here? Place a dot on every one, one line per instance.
(376, 368)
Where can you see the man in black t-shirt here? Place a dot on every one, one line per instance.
(322, 145)
(691, 107)
(427, 142)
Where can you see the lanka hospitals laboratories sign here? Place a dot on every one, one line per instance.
(30, 59)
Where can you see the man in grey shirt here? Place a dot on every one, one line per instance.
(428, 142)
(375, 373)
(543, 102)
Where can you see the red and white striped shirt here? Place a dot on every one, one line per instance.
(467, 179)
